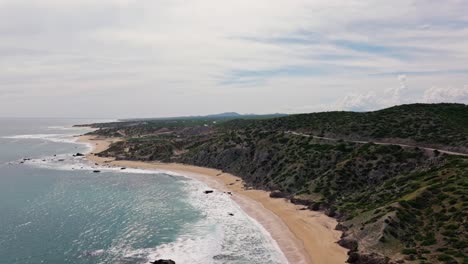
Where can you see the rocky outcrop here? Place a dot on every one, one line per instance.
(299, 201)
(359, 258)
(278, 194)
(163, 261)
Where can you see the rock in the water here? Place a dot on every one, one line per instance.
(79, 155)
(96, 171)
(208, 191)
(231, 214)
(163, 261)
(123, 168)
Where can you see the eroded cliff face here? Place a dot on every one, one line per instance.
(375, 191)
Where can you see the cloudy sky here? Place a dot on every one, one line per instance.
(142, 58)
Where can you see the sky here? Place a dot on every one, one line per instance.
(155, 58)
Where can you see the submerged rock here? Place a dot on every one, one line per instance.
(163, 261)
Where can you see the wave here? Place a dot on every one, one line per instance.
(66, 128)
(58, 138)
(242, 239)
(225, 234)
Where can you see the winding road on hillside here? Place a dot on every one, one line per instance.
(379, 143)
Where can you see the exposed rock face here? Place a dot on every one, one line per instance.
(278, 194)
(163, 261)
(350, 244)
(357, 258)
(301, 201)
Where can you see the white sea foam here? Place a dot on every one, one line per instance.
(58, 138)
(217, 238)
(243, 239)
(63, 128)
(183, 250)
(68, 162)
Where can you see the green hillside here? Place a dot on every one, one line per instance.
(393, 203)
(444, 125)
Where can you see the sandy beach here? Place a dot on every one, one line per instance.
(304, 236)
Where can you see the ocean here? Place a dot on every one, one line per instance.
(54, 209)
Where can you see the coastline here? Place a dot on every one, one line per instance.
(303, 236)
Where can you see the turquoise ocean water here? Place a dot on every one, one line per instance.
(54, 209)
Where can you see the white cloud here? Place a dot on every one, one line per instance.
(182, 54)
(446, 95)
(372, 101)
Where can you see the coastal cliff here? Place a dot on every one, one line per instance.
(390, 177)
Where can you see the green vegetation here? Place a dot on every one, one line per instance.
(422, 124)
(400, 202)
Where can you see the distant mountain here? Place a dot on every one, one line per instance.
(225, 115)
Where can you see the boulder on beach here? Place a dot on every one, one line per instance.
(163, 261)
(278, 194)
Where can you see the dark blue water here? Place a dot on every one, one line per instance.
(54, 209)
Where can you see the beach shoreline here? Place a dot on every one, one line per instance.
(303, 236)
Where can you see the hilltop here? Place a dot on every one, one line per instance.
(394, 202)
(433, 125)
